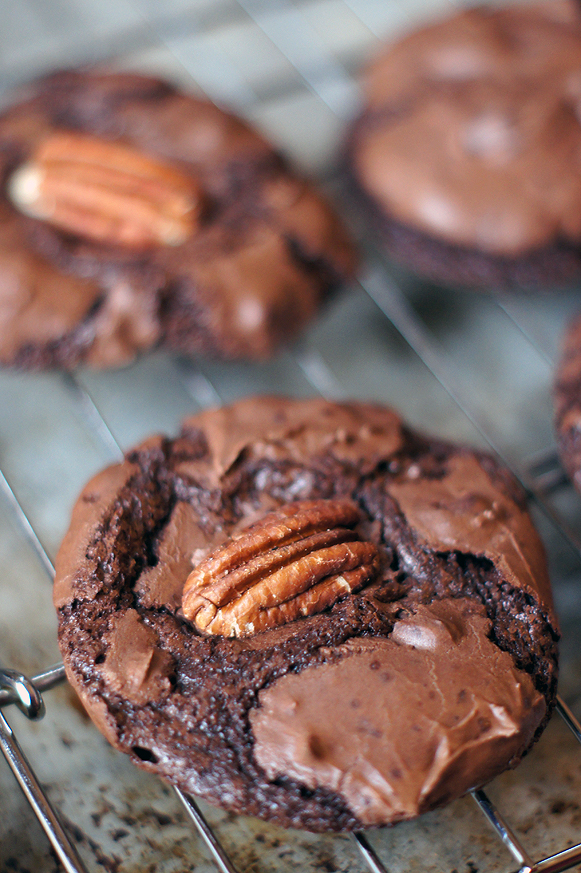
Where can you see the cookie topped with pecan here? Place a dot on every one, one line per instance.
(133, 216)
(302, 610)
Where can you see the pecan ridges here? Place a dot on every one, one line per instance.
(106, 191)
(292, 563)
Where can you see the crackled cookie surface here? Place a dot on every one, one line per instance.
(132, 215)
(468, 150)
(302, 610)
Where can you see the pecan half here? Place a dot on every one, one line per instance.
(108, 192)
(292, 563)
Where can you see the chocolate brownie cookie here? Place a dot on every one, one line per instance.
(567, 397)
(132, 215)
(303, 611)
(468, 150)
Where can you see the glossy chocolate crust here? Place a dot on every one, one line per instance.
(463, 598)
(268, 252)
(567, 397)
(466, 155)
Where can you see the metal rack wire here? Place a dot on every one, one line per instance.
(399, 349)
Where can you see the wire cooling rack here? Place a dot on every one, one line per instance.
(475, 368)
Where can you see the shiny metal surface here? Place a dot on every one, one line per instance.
(470, 367)
(37, 799)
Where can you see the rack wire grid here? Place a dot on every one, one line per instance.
(470, 367)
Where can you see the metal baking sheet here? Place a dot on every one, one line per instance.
(471, 367)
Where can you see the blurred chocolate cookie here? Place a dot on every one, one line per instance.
(302, 610)
(468, 149)
(567, 397)
(133, 216)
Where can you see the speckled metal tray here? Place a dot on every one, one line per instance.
(468, 367)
